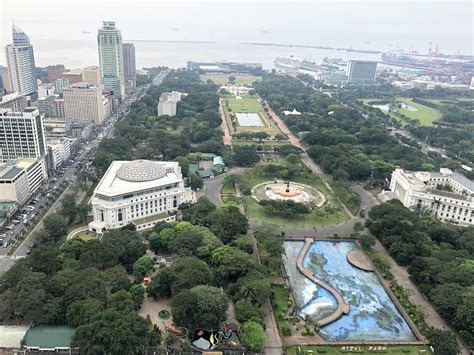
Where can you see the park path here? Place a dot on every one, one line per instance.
(291, 137)
(342, 306)
(227, 138)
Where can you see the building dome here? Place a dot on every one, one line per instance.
(141, 170)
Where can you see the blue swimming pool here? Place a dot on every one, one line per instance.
(372, 316)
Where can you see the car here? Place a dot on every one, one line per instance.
(15, 221)
(10, 227)
(6, 244)
(28, 251)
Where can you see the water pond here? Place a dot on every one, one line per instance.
(373, 316)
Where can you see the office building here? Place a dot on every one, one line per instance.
(109, 40)
(447, 195)
(59, 108)
(20, 179)
(22, 134)
(3, 71)
(15, 101)
(168, 102)
(59, 150)
(7, 85)
(73, 76)
(129, 66)
(55, 72)
(21, 64)
(84, 103)
(60, 84)
(112, 84)
(80, 130)
(91, 75)
(141, 192)
(46, 106)
(361, 71)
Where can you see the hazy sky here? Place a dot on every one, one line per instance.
(370, 24)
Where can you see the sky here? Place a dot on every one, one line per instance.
(369, 24)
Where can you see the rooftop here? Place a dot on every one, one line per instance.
(459, 178)
(124, 176)
(10, 170)
(11, 336)
(49, 336)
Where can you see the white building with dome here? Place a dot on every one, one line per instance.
(141, 192)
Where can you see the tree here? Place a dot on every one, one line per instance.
(230, 263)
(227, 222)
(83, 210)
(195, 182)
(189, 272)
(69, 208)
(82, 312)
(142, 265)
(366, 241)
(200, 307)
(232, 79)
(245, 155)
(253, 336)
(160, 285)
(55, 226)
(246, 311)
(115, 332)
(186, 242)
(197, 213)
(137, 293)
(444, 342)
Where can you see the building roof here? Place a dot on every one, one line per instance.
(206, 156)
(9, 172)
(11, 336)
(141, 175)
(204, 173)
(141, 170)
(49, 336)
(173, 97)
(459, 178)
(218, 161)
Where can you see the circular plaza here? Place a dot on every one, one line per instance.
(288, 190)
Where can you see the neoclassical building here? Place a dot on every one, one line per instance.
(141, 192)
(448, 195)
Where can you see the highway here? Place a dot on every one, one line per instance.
(65, 174)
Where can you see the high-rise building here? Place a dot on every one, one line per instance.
(7, 84)
(129, 66)
(109, 40)
(55, 71)
(361, 71)
(21, 64)
(91, 75)
(59, 108)
(168, 102)
(22, 134)
(59, 85)
(73, 76)
(15, 101)
(84, 102)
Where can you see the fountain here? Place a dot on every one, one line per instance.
(281, 190)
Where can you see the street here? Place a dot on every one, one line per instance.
(65, 174)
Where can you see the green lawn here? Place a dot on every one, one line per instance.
(244, 105)
(223, 79)
(328, 349)
(86, 235)
(317, 218)
(426, 115)
(281, 301)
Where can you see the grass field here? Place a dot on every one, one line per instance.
(223, 79)
(244, 105)
(280, 302)
(328, 349)
(426, 115)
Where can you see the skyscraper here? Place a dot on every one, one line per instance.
(129, 66)
(21, 64)
(361, 71)
(109, 40)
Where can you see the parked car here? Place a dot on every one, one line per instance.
(15, 221)
(6, 245)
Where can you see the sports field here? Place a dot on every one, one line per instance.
(223, 79)
(244, 105)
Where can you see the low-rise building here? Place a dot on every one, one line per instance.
(20, 179)
(141, 192)
(448, 195)
(168, 102)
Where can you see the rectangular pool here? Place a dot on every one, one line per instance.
(372, 316)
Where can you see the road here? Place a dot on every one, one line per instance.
(66, 174)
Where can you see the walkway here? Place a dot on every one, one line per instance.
(342, 307)
(291, 137)
(227, 138)
(76, 231)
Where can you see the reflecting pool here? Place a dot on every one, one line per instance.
(372, 316)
